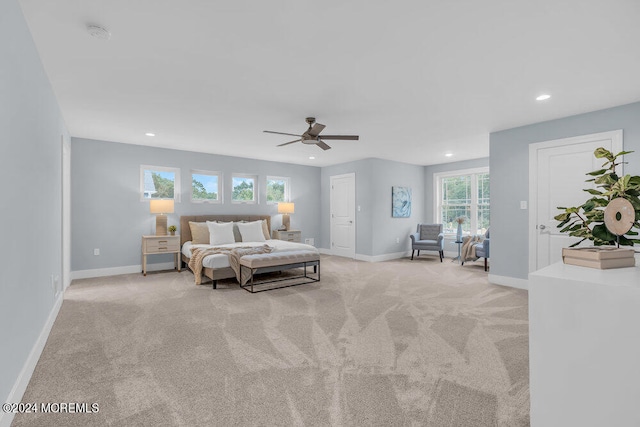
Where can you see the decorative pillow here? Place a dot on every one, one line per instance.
(429, 231)
(236, 231)
(220, 233)
(265, 230)
(199, 232)
(251, 231)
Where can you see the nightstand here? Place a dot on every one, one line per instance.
(290, 236)
(152, 245)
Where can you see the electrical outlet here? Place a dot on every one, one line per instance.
(96, 251)
(397, 240)
(523, 204)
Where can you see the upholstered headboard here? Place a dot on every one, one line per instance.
(185, 230)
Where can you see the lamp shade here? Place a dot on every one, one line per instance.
(160, 206)
(285, 208)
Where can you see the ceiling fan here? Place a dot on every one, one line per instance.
(312, 135)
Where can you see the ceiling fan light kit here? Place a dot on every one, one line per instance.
(312, 135)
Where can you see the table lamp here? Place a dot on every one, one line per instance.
(161, 207)
(285, 209)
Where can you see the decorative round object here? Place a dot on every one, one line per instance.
(619, 216)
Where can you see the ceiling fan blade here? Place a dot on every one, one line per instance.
(322, 145)
(281, 133)
(290, 142)
(316, 129)
(346, 137)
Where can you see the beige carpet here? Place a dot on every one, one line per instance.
(391, 344)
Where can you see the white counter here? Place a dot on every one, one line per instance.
(584, 346)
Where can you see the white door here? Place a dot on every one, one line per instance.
(343, 215)
(557, 174)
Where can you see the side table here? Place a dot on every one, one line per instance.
(152, 245)
(458, 258)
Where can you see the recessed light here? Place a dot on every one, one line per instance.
(543, 97)
(448, 154)
(311, 158)
(150, 134)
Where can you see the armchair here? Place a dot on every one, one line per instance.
(428, 237)
(482, 249)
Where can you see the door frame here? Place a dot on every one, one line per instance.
(351, 175)
(65, 226)
(616, 137)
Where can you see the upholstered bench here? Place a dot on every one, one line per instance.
(278, 261)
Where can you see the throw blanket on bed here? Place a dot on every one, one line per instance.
(234, 254)
(468, 251)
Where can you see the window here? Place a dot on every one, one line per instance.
(463, 193)
(206, 187)
(244, 188)
(277, 189)
(159, 182)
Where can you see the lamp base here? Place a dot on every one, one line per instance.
(286, 221)
(161, 225)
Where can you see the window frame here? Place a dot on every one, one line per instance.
(255, 188)
(473, 206)
(287, 188)
(176, 181)
(220, 199)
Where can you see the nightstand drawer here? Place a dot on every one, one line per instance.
(161, 245)
(290, 236)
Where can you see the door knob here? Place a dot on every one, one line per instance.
(542, 226)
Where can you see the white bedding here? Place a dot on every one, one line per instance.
(222, 260)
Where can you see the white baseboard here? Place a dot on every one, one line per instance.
(325, 251)
(384, 257)
(115, 271)
(513, 282)
(20, 386)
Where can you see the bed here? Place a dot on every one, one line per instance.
(216, 267)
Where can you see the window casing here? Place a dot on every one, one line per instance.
(159, 182)
(463, 193)
(206, 187)
(278, 189)
(244, 188)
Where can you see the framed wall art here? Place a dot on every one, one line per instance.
(400, 202)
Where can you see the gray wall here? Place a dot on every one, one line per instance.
(376, 230)
(509, 164)
(31, 128)
(107, 212)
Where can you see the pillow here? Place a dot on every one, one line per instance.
(265, 230)
(199, 232)
(220, 233)
(251, 231)
(236, 233)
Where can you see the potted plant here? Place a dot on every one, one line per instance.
(172, 229)
(587, 221)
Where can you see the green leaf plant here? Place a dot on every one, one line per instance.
(586, 221)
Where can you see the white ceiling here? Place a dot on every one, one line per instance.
(414, 78)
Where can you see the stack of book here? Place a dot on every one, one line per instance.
(602, 257)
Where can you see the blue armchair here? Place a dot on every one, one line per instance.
(428, 237)
(482, 249)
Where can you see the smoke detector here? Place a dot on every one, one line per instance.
(98, 32)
